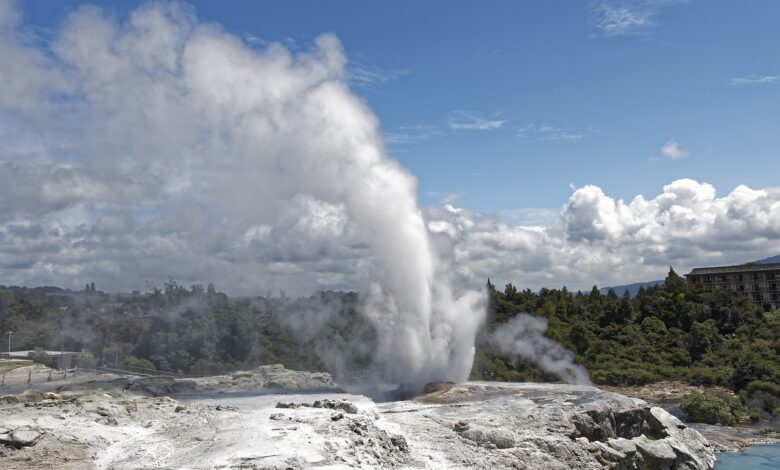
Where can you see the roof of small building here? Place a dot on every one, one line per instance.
(740, 268)
(50, 353)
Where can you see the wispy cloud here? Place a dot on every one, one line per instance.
(614, 18)
(473, 121)
(547, 133)
(446, 197)
(409, 135)
(672, 150)
(756, 80)
(369, 76)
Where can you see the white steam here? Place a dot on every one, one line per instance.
(523, 337)
(162, 110)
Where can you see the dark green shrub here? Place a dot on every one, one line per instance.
(709, 376)
(763, 397)
(750, 367)
(132, 361)
(40, 357)
(712, 407)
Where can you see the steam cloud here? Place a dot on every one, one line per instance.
(163, 110)
(523, 337)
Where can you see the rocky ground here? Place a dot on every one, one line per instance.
(272, 418)
(668, 395)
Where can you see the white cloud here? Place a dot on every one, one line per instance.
(409, 135)
(613, 18)
(369, 76)
(756, 80)
(547, 132)
(598, 239)
(673, 151)
(473, 121)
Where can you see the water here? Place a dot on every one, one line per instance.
(760, 457)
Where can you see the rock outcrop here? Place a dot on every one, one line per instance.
(553, 426)
(471, 425)
(273, 378)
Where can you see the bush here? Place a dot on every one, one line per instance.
(132, 361)
(712, 407)
(40, 357)
(709, 376)
(750, 367)
(763, 397)
(626, 375)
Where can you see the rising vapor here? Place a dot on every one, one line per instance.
(523, 337)
(165, 111)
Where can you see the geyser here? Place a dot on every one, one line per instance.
(162, 110)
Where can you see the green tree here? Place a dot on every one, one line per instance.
(703, 338)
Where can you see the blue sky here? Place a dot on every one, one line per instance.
(574, 95)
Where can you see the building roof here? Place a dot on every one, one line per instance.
(740, 268)
(50, 353)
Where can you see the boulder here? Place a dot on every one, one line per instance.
(25, 437)
(9, 399)
(658, 451)
(19, 438)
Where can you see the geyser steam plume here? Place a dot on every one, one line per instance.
(523, 337)
(164, 109)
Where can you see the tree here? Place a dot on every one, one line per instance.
(703, 338)
(654, 326)
(749, 367)
(674, 283)
(197, 289)
(595, 293)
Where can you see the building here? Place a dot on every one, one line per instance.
(65, 359)
(760, 283)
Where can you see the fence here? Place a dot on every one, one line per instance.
(144, 372)
(33, 374)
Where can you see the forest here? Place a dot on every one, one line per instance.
(672, 331)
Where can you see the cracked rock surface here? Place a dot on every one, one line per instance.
(470, 425)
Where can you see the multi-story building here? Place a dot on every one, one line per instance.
(758, 282)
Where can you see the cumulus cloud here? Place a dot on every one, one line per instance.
(673, 151)
(600, 239)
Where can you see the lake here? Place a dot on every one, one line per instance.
(760, 457)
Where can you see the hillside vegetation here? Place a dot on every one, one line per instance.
(669, 332)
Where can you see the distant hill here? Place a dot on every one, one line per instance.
(632, 288)
(773, 259)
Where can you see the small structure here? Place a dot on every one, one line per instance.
(65, 359)
(760, 283)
